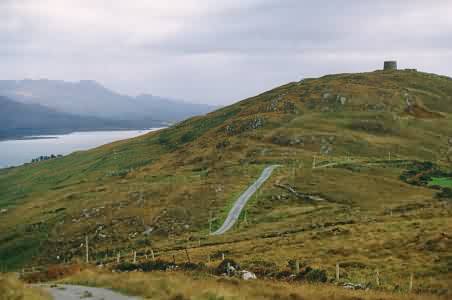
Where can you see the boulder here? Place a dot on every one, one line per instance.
(354, 286)
(247, 275)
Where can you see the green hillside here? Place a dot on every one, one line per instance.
(377, 140)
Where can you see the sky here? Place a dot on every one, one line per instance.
(218, 51)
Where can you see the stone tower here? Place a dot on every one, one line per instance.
(390, 65)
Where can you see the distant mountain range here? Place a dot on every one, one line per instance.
(47, 106)
(19, 119)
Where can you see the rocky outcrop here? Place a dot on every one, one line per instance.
(246, 125)
(325, 142)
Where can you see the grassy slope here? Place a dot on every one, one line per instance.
(12, 289)
(176, 285)
(173, 179)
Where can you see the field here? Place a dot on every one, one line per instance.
(181, 286)
(161, 191)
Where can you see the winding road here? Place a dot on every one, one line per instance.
(76, 292)
(240, 203)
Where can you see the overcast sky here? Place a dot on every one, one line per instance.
(218, 51)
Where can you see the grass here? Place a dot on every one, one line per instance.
(185, 286)
(13, 289)
(441, 181)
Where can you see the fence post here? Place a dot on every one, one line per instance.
(134, 257)
(152, 254)
(222, 256)
(188, 256)
(297, 267)
(210, 222)
(377, 277)
(228, 269)
(338, 272)
(87, 249)
(411, 283)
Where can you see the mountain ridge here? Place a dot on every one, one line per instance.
(19, 119)
(88, 97)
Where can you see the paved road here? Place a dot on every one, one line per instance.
(76, 292)
(240, 203)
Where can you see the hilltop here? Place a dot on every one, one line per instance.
(377, 140)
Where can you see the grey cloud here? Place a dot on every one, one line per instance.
(218, 53)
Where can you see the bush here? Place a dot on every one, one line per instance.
(158, 265)
(126, 267)
(316, 275)
(223, 266)
(372, 126)
(312, 275)
(283, 275)
(262, 268)
(52, 273)
(446, 193)
(189, 266)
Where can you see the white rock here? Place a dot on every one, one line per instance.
(247, 275)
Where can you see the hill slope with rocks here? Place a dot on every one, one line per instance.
(365, 165)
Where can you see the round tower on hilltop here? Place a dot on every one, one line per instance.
(390, 65)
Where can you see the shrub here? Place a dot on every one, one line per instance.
(189, 266)
(126, 267)
(312, 275)
(445, 193)
(52, 273)
(372, 126)
(316, 275)
(223, 266)
(262, 268)
(59, 271)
